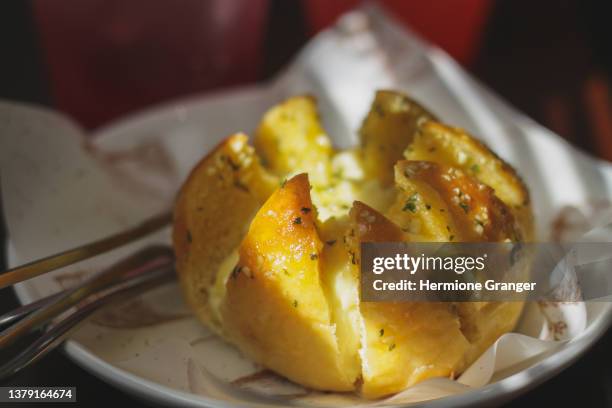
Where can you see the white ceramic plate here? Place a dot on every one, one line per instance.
(60, 191)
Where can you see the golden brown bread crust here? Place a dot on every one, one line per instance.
(405, 343)
(408, 342)
(211, 214)
(387, 130)
(440, 143)
(285, 291)
(290, 138)
(275, 309)
(469, 209)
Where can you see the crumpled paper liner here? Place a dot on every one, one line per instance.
(61, 189)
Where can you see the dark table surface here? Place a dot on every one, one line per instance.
(556, 68)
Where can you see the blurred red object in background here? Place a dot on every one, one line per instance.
(454, 25)
(109, 57)
(106, 58)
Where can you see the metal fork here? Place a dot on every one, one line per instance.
(55, 316)
(38, 267)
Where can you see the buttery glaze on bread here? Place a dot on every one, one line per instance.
(267, 241)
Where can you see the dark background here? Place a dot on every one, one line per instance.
(551, 59)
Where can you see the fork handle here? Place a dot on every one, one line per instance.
(60, 330)
(123, 272)
(71, 256)
(22, 311)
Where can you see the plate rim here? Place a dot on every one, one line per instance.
(500, 391)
